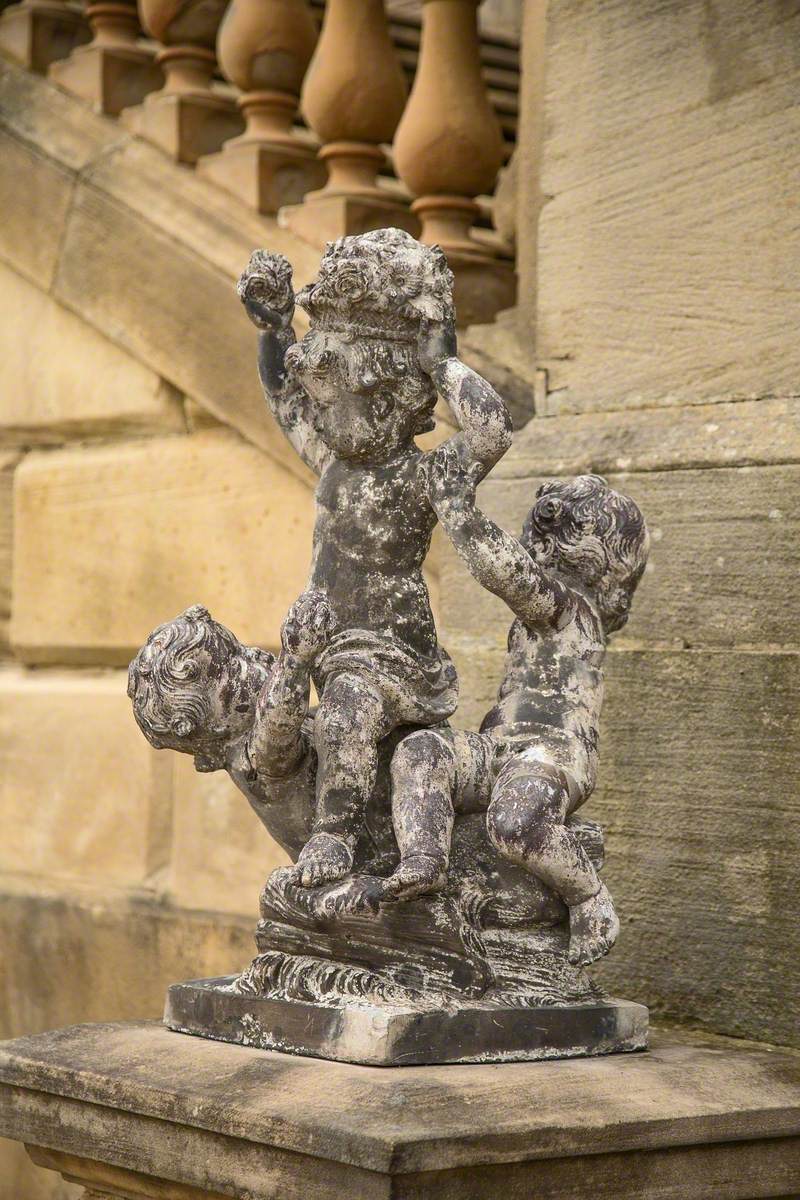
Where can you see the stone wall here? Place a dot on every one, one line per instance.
(666, 318)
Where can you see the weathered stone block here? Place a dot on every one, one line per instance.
(89, 953)
(8, 462)
(82, 794)
(60, 378)
(699, 798)
(110, 541)
(135, 211)
(668, 243)
(741, 434)
(49, 120)
(35, 195)
(74, 958)
(221, 853)
(114, 1104)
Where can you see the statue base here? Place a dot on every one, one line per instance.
(386, 1036)
(131, 1110)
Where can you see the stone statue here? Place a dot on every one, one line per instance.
(351, 397)
(444, 898)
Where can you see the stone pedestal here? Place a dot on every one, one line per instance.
(185, 126)
(327, 215)
(115, 70)
(134, 1110)
(484, 286)
(39, 32)
(109, 78)
(265, 176)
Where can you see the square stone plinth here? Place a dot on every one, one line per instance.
(382, 1035)
(135, 1110)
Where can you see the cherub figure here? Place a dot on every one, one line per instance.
(195, 688)
(569, 581)
(351, 397)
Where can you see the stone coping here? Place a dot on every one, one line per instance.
(685, 1091)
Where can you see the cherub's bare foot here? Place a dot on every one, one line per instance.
(323, 859)
(593, 928)
(416, 876)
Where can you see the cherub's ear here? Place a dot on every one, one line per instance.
(182, 727)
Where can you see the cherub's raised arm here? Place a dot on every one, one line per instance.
(276, 744)
(493, 557)
(479, 411)
(265, 289)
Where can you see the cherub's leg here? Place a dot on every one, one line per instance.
(433, 775)
(350, 721)
(423, 769)
(526, 823)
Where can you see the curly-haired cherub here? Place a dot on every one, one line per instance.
(195, 688)
(351, 397)
(569, 581)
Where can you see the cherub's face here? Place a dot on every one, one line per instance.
(210, 707)
(363, 417)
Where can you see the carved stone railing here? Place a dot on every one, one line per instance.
(37, 33)
(264, 50)
(115, 70)
(353, 98)
(405, 121)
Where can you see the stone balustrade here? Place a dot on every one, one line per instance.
(37, 33)
(264, 50)
(340, 116)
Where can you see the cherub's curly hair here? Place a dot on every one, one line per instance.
(382, 283)
(168, 679)
(596, 534)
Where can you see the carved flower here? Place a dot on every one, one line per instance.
(351, 280)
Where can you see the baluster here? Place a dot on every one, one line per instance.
(353, 98)
(264, 47)
(186, 118)
(115, 70)
(449, 148)
(36, 33)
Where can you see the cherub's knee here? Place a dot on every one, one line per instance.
(421, 751)
(521, 816)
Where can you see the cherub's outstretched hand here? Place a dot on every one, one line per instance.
(265, 289)
(436, 342)
(309, 626)
(449, 475)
